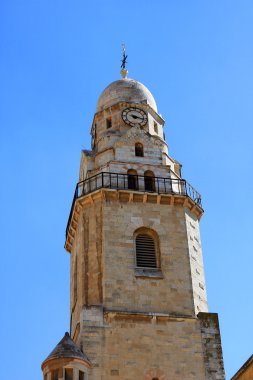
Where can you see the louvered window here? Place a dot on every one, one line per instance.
(145, 251)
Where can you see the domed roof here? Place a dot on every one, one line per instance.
(66, 348)
(125, 90)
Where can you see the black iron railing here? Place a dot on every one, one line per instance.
(132, 182)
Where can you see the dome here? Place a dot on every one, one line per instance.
(125, 90)
(66, 348)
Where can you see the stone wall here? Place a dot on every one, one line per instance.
(212, 349)
(142, 346)
(196, 262)
(103, 268)
(122, 287)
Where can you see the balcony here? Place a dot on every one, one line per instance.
(118, 181)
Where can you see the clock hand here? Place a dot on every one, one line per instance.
(136, 117)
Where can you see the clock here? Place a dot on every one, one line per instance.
(134, 116)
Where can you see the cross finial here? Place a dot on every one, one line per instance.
(123, 71)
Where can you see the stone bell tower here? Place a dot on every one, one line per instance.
(138, 305)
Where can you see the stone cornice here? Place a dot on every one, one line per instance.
(145, 316)
(127, 196)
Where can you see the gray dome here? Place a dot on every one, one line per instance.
(125, 90)
(66, 348)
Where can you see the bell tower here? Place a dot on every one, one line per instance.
(138, 306)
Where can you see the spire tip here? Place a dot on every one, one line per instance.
(124, 71)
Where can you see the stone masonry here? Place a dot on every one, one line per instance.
(131, 321)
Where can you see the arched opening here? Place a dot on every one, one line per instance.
(139, 150)
(146, 248)
(108, 123)
(149, 181)
(55, 374)
(68, 374)
(132, 178)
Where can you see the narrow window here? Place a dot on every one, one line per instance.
(145, 251)
(163, 135)
(55, 374)
(68, 374)
(155, 127)
(81, 375)
(75, 282)
(139, 149)
(149, 181)
(93, 137)
(108, 123)
(132, 178)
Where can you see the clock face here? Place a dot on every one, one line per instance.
(134, 116)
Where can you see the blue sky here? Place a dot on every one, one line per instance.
(196, 57)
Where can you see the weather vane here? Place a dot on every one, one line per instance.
(124, 57)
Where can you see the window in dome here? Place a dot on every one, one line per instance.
(155, 127)
(108, 123)
(139, 150)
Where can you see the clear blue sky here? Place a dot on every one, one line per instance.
(196, 57)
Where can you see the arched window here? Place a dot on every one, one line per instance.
(139, 149)
(146, 248)
(132, 179)
(149, 181)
